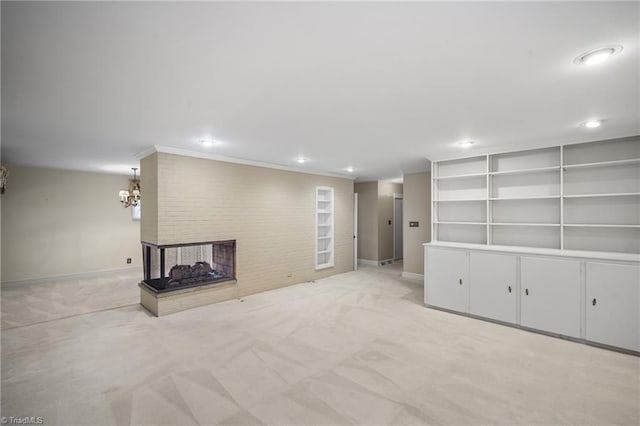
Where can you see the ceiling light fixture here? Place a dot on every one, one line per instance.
(592, 124)
(350, 169)
(466, 144)
(597, 56)
(301, 160)
(132, 196)
(207, 142)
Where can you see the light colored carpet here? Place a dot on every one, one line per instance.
(357, 348)
(24, 304)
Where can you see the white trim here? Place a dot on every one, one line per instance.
(207, 156)
(70, 276)
(146, 152)
(413, 276)
(367, 262)
(355, 231)
(393, 230)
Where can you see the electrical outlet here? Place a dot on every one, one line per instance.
(128, 260)
(289, 275)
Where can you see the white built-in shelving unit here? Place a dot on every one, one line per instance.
(324, 227)
(572, 197)
(546, 239)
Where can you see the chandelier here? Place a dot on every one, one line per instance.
(132, 196)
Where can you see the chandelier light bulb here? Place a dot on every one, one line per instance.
(132, 196)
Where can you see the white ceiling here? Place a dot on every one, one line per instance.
(377, 86)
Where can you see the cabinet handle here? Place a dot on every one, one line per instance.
(460, 281)
(509, 289)
(593, 302)
(526, 291)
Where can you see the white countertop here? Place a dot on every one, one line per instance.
(625, 257)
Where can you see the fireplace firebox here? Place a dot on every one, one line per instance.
(178, 266)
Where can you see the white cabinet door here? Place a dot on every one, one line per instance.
(492, 286)
(550, 298)
(447, 283)
(613, 304)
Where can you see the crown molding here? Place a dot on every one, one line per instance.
(187, 153)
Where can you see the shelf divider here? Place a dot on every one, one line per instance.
(611, 194)
(602, 163)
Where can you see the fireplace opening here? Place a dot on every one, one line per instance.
(179, 266)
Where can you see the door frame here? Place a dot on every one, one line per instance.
(395, 197)
(355, 231)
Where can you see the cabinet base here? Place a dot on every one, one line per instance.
(533, 330)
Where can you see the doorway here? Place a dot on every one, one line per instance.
(397, 227)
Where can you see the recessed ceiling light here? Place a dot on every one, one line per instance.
(207, 142)
(466, 144)
(350, 169)
(301, 160)
(592, 124)
(598, 55)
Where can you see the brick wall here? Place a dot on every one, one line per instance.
(270, 213)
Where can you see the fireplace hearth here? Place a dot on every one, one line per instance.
(178, 266)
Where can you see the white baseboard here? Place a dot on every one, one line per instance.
(412, 276)
(368, 262)
(71, 276)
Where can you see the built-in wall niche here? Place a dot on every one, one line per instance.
(618, 211)
(463, 233)
(461, 167)
(527, 211)
(324, 252)
(545, 236)
(530, 184)
(607, 179)
(626, 150)
(461, 188)
(602, 239)
(536, 160)
(461, 211)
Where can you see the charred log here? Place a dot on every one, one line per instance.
(183, 274)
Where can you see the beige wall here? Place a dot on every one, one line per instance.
(367, 220)
(270, 213)
(416, 207)
(59, 222)
(149, 188)
(385, 214)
